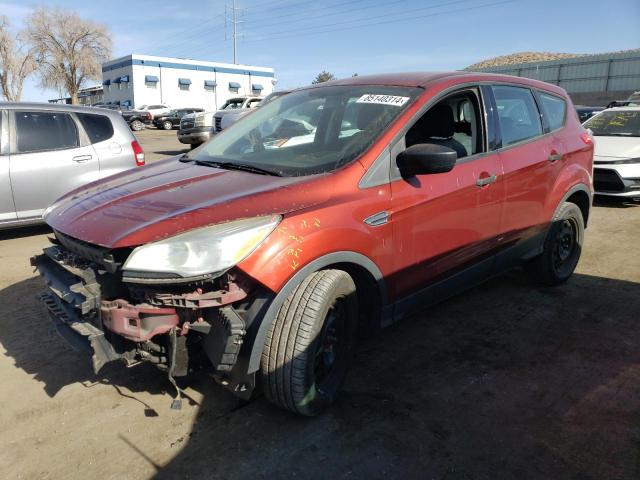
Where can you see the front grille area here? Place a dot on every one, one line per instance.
(218, 124)
(185, 124)
(605, 180)
(110, 260)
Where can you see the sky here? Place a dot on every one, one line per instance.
(300, 38)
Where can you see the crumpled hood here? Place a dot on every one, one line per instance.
(169, 197)
(618, 147)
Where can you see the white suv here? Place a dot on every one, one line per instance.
(617, 151)
(157, 110)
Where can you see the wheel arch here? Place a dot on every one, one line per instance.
(582, 196)
(365, 274)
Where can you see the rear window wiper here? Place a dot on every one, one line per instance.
(237, 166)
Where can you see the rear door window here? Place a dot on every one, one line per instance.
(42, 131)
(554, 110)
(98, 127)
(517, 113)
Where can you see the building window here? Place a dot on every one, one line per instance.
(210, 85)
(151, 81)
(257, 88)
(184, 83)
(234, 87)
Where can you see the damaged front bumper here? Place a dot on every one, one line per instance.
(173, 327)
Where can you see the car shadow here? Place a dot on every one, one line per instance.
(508, 380)
(614, 202)
(22, 232)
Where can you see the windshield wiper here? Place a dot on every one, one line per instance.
(238, 166)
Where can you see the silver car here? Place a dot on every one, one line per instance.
(47, 150)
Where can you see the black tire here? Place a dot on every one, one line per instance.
(308, 347)
(562, 247)
(167, 125)
(137, 125)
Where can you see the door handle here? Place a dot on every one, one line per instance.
(81, 158)
(481, 182)
(554, 156)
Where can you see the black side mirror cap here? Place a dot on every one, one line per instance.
(426, 158)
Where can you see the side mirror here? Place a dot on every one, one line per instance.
(426, 158)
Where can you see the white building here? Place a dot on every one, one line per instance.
(137, 80)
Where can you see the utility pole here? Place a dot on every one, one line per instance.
(231, 15)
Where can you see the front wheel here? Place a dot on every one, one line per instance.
(562, 247)
(137, 125)
(308, 347)
(167, 125)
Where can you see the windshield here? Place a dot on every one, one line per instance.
(310, 131)
(233, 104)
(615, 124)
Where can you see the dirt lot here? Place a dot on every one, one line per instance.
(506, 381)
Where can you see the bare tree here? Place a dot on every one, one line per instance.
(69, 50)
(16, 62)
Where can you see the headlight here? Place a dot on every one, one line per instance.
(202, 251)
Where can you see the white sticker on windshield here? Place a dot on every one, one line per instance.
(383, 99)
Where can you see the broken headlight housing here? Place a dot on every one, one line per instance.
(204, 250)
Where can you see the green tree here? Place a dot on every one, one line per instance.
(323, 76)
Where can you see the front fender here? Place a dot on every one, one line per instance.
(308, 242)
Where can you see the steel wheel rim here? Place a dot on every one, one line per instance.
(565, 245)
(330, 347)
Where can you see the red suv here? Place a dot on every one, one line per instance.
(333, 210)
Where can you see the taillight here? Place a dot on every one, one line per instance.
(586, 138)
(138, 153)
(149, 117)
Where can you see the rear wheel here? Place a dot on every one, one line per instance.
(167, 125)
(562, 247)
(137, 125)
(308, 347)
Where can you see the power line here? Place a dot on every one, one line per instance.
(350, 23)
(342, 12)
(381, 22)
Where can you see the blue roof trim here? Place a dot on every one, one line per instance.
(184, 81)
(234, 85)
(186, 66)
(210, 83)
(150, 79)
(257, 87)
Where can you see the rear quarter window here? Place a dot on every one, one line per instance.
(554, 108)
(97, 127)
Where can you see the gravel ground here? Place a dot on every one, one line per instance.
(508, 380)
